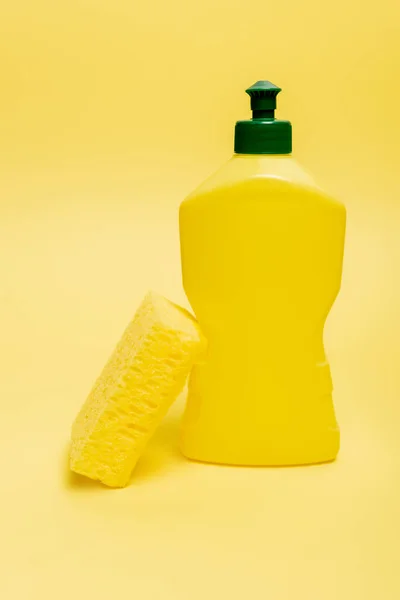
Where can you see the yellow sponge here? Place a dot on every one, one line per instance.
(146, 372)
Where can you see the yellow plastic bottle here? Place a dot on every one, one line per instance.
(262, 250)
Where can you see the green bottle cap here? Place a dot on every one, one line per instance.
(263, 134)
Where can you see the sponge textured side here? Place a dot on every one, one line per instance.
(145, 373)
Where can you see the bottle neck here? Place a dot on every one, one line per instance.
(263, 114)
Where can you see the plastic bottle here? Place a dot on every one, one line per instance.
(262, 250)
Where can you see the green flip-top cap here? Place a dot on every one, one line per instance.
(263, 134)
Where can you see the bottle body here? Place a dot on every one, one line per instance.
(262, 251)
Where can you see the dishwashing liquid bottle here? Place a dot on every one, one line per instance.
(262, 250)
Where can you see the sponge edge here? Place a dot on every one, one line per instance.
(143, 376)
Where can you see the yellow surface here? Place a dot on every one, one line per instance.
(144, 375)
(262, 253)
(89, 222)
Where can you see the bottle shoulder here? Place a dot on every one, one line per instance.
(260, 174)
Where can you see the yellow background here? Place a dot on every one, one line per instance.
(110, 113)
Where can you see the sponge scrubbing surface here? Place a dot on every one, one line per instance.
(143, 376)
